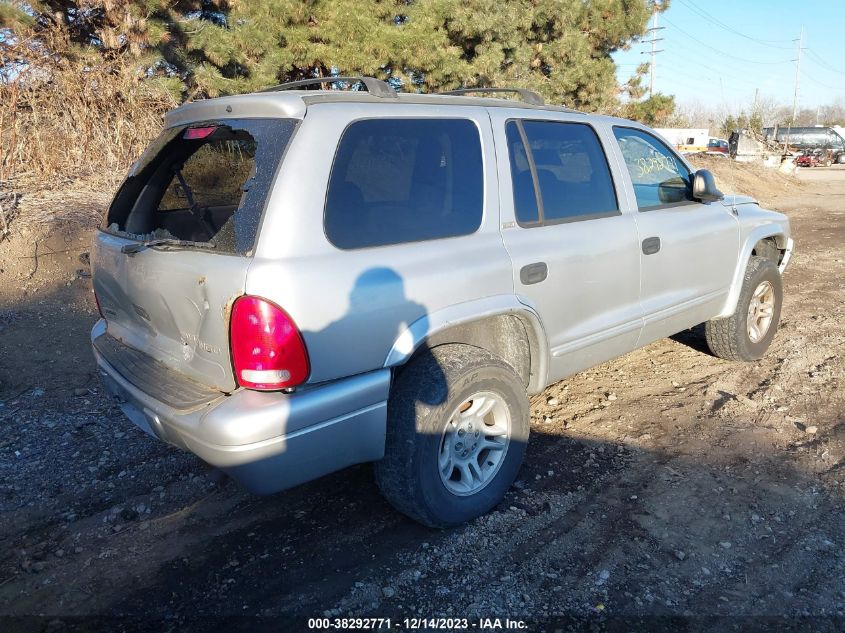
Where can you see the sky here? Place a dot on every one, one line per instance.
(719, 52)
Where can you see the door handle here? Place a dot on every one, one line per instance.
(651, 245)
(533, 273)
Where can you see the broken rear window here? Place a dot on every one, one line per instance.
(204, 183)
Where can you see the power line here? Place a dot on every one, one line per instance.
(720, 52)
(689, 83)
(680, 78)
(815, 56)
(707, 16)
(734, 85)
(680, 75)
(711, 71)
(821, 62)
(737, 78)
(718, 72)
(822, 84)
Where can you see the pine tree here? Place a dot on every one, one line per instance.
(196, 48)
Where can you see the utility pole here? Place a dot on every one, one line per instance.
(653, 41)
(797, 75)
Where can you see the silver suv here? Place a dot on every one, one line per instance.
(295, 281)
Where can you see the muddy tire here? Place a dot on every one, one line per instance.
(748, 332)
(457, 429)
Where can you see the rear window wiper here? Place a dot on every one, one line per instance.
(164, 243)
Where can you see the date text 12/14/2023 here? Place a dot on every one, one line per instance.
(417, 623)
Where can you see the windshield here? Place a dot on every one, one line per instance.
(203, 183)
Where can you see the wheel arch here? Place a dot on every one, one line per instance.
(756, 243)
(502, 324)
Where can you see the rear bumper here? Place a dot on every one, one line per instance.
(268, 441)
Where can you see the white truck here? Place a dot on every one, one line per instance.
(686, 140)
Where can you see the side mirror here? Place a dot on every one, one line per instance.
(704, 187)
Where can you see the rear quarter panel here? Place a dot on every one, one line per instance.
(352, 305)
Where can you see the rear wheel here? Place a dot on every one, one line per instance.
(458, 421)
(748, 332)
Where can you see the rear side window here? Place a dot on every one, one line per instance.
(559, 173)
(660, 179)
(405, 180)
(204, 183)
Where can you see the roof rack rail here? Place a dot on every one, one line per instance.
(528, 96)
(375, 87)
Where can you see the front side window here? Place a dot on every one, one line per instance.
(659, 177)
(559, 173)
(405, 180)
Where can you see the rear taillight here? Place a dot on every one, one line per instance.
(267, 349)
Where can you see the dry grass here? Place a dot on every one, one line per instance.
(69, 121)
(69, 130)
(48, 208)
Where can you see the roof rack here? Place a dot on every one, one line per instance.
(528, 96)
(375, 87)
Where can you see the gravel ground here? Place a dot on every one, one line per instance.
(665, 483)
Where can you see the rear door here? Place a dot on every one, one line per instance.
(574, 251)
(175, 247)
(688, 250)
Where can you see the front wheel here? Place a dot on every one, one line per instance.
(457, 429)
(748, 332)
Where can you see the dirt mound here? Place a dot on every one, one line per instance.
(46, 303)
(763, 183)
(43, 258)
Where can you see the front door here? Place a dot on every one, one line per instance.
(688, 249)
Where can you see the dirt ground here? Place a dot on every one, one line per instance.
(664, 483)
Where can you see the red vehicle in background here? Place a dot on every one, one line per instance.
(717, 146)
(813, 158)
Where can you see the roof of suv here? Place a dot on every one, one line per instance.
(360, 96)
(293, 104)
